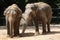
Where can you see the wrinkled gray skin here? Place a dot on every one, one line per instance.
(13, 16)
(39, 13)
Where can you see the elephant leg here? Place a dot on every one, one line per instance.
(48, 24)
(8, 29)
(44, 23)
(15, 32)
(48, 27)
(18, 24)
(36, 28)
(26, 24)
(11, 29)
(44, 27)
(24, 28)
(16, 29)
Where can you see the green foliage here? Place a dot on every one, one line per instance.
(26, 1)
(55, 1)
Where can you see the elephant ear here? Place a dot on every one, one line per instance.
(34, 7)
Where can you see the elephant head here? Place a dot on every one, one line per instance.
(30, 10)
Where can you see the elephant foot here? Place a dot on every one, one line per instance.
(48, 31)
(11, 36)
(8, 33)
(22, 33)
(16, 35)
(36, 33)
(44, 32)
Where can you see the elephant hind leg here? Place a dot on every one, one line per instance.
(48, 27)
(44, 27)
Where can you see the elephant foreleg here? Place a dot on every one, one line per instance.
(26, 24)
(8, 29)
(11, 29)
(16, 29)
(36, 27)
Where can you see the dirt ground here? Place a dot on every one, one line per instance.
(29, 34)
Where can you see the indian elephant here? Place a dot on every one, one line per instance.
(13, 16)
(39, 13)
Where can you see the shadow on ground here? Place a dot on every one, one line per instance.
(32, 34)
(53, 32)
(26, 34)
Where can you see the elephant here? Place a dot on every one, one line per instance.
(39, 12)
(13, 15)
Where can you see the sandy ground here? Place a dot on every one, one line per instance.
(29, 34)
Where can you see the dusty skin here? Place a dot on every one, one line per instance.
(29, 34)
